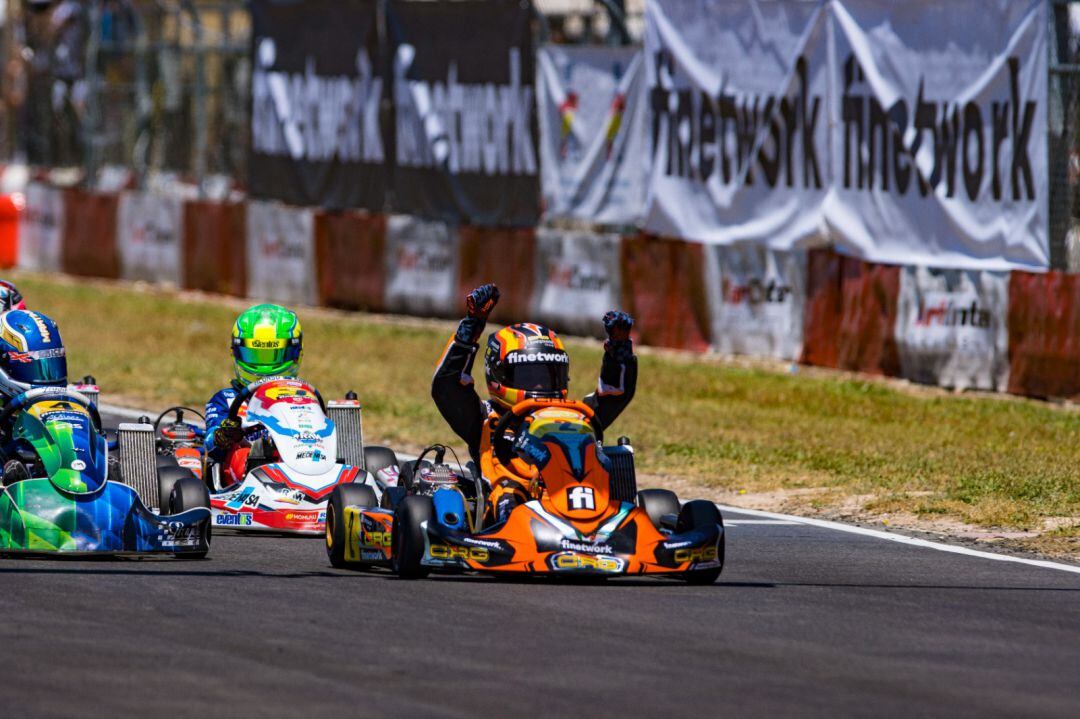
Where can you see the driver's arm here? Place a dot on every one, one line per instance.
(452, 387)
(455, 395)
(217, 410)
(618, 371)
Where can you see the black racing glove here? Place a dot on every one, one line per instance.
(228, 433)
(619, 346)
(478, 305)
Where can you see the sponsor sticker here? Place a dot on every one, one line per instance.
(233, 520)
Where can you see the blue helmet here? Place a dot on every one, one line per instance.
(31, 351)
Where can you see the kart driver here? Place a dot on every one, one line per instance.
(522, 361)
(266, 342)
(10, 297)
(31, 353)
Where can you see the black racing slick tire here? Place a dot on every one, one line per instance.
(188, 493)
(408, 536)
(337, 536)
(696, 514)
(167, 477)
(657, 503)
(376, 458)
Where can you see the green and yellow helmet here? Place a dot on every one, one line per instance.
(267, 342)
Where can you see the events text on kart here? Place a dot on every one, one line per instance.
(59, 497)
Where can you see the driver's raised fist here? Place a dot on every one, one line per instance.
(481, 301)
(617, 325)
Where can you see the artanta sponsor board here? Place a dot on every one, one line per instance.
(421, 267)
(952, 328)
(756, 300)
(149, 227)
(593, 150)
(577, 279)
(772, 121)
(316, 137)
(280, 253)
(41, 228)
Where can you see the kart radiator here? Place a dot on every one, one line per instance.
(346, 416)
(623, 476)
(138, 461)
(90, 391)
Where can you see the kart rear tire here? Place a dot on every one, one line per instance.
(376, 458)
(344, 495)
(696, 514)
(167, 477)
(657, 503)
(407, 537)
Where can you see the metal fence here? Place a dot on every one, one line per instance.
(1064, 135)
(142, 84)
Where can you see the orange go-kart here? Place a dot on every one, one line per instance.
(571, 526)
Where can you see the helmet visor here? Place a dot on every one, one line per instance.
(266, 353)
(40, 367)
(539, 377)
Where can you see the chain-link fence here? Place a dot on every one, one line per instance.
(142, 84)
(1064, 135)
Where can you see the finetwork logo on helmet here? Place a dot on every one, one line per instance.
(518, 357)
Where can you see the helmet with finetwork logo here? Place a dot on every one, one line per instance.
(31, 351)
(526, 361)
(267, 342)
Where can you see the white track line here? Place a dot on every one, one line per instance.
(740, 522)
(901, 539)
(134, 414)
(779, 519)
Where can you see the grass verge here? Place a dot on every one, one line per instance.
(815, 439)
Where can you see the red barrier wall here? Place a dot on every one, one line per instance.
(350, 257)
(1044, 334)
(502, 256)
(89, 241)
(851, 314)
(664, 289)
(215, 247)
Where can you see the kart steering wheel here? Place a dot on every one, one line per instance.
(504, 447)
(179, 410)
(245, 394)
(19, 401)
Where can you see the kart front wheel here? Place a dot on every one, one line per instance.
(408, 536)
(658, 503)
(376, 458)
(702, 514)
(337, 536)
(189, 493)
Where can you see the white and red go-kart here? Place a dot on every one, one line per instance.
(299, 454)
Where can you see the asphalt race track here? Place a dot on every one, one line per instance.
(805, 621)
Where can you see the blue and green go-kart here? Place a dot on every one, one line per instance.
(58, 497)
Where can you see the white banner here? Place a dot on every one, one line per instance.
(421, 267)
(757, 298)
(41, 228)
(578, 279)
(280, 253)
(593, 137)
(866, 119)
(149, 227)
(952, 328)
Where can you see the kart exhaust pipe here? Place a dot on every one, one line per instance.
(138, 461)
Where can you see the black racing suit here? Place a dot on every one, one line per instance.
(455, 395)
